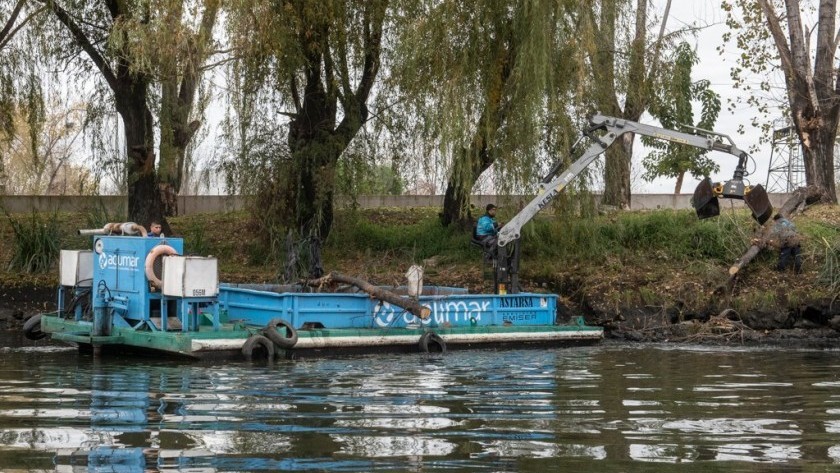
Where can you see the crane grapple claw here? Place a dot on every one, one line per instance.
(758, 202)
(705, 201)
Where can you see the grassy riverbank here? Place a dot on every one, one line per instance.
(611, 268)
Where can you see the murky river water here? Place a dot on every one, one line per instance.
(604, 408)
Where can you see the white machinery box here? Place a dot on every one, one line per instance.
(190, 276)
(75, 268)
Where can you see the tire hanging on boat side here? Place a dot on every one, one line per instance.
(270, 331)
(32, 328)
(432, 342)
(258, 341)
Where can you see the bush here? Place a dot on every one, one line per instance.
(36, 243)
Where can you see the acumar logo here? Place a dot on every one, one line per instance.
(107, 260)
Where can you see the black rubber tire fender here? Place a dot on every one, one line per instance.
(32, 328)
(255, 341)
(430, 340)
(270, 331)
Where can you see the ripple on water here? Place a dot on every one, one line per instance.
(603, 408)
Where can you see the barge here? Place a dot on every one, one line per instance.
(140, 294)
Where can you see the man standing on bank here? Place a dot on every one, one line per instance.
(784, 236)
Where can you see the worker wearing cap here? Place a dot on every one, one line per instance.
(487, 227)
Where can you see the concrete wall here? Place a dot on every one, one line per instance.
(198, 204)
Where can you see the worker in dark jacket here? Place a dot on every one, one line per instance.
(785, 237)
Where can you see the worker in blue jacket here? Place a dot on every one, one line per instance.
(154, 230)
(487, 227)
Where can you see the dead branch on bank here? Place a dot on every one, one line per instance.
(798, 201)
(375, 292)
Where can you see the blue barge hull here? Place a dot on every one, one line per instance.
(336, 310)
(139, 294)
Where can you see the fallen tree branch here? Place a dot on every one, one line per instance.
(798, 201)
(375, 292)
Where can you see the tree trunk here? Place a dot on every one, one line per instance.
(315, 141)
(456, 201)
(641, 72)
(2, 175)
(617, 173)
(314, 165)
(812, 91)
(678, 186)
(470, 163)
(144, 198)
(171, 155)
(130, 90)
(177, 101)
(818, 155)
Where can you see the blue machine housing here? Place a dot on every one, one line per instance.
(119, 280)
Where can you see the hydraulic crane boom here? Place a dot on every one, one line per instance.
(506, 261)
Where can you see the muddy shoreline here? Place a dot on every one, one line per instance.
(815, 324)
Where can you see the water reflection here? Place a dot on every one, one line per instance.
(607, 408)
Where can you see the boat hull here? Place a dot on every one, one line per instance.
(227, 342)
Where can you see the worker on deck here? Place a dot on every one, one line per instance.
(487, 228)
(154, 230)
(784, 236)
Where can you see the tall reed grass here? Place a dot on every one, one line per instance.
(35, 244)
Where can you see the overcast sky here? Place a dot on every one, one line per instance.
(716, 68)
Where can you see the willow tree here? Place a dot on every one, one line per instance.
(179, 61)
(322, 60)
(103, 31)
(812, 84)
(144, 51)
(14, 16)
(479, 78)
(623, 63)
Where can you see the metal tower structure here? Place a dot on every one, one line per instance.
(787, 168)
(786, 172)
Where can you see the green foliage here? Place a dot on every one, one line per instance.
(97, 215)
(36, 243)
(317, 64)
(673, 106)
(418, 240)
(357, 177)
(675, 235)
(830, 271)
(825, 239)
(480, 74)
(195, 237)
(670, 235)
(758, 57)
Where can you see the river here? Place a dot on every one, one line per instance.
(606, 408)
